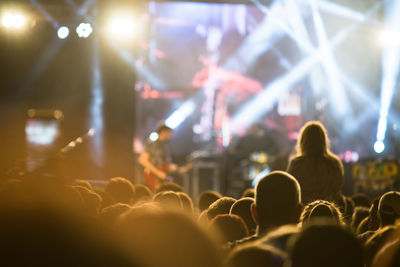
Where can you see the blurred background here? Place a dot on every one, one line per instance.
(92, 79)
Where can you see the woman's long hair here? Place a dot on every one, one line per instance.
(313, 140)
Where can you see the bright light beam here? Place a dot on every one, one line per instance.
(296, 22)
(142, 70)
(336, 90)
(277, 19)
(264, 101)
(371, 105)
(44, 59)
(263, 38)
(72, 4)
(83, 9)
(363, 95)
(390, 70)
(96, 105)
(342, 11)
(260, 40)
(45, 14)
(179, 115)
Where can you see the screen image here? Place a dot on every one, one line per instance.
(212, 70)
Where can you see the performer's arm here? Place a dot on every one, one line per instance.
(144, 160)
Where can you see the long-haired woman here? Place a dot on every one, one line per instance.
(317, 169)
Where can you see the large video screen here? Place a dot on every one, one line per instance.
(212, 70)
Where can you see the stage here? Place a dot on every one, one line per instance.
(209, 70)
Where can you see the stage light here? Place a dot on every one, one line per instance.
(44, 13)
(84, 30)
(63, 32)
(13, 20)
(122, 27)
(91, 132)
(390, 38)
(263, 102)
(337, 92)
(142, 70)
(379, 147)
(96, 105)
(390, 69)
(179, 115)
(153, 136)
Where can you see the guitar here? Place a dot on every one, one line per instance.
(154, 182)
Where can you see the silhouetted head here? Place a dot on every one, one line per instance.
(121, 190)
(220, 206)
(206, 198)
(111, 213)
(168, 238)
(170, 186)
(84, 184)
(143, 192)
(373, 220)
(326, 244)
(321, 209)
(91, 200)
(164, 133)
(168, 199)
(389, 254)
(348, 214)
(242, 208)
(377, 241)
(277, 200)
(249, 192)
(187, 203)
(360, 213)
(313, 140)
(346, 207)
(280, 237)
(106, 198)
(255, 255)
(47, 235)
(389, 208)
(229, 228)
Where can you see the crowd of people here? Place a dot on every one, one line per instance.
(296, 218)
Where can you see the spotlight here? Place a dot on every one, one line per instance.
(13, 20)
(379, 146)
(153, 136)
(390, 37)
(84, 30)
(122, 27)
(63, 32)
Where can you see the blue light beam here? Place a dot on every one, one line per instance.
(390, 69)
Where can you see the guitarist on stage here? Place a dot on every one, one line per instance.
(155, 158)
